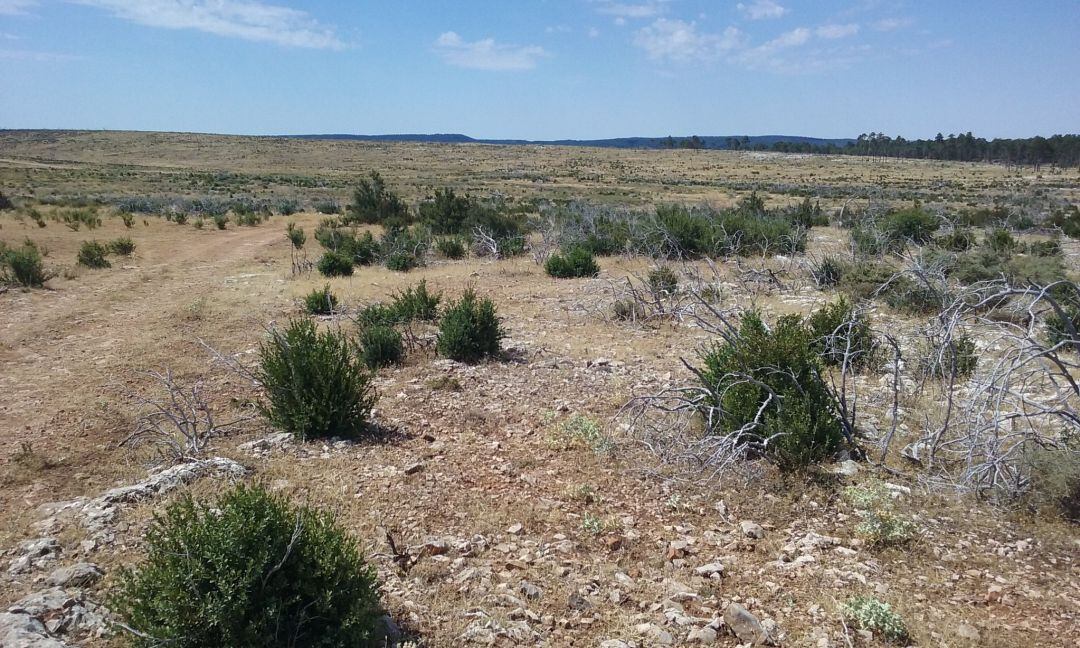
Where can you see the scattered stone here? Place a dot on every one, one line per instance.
(846, 468)
(414, 468)
(745, 625)
(711, 570)
(19, 630)
(968, 631)
(656, 635)
(752, 529)
(515, 529)
(529, 590)
(77, 575)
(706, 635)
(614, 643)
(33, 553)
(993, 594)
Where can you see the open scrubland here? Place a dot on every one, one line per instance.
(533, 396)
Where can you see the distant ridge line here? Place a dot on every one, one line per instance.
(705, 141)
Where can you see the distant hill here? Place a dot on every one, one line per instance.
(708, 141)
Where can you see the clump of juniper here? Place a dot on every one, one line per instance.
(451, 247)
(221, 221)
(335, 264)
(827, 272)
(22, 265)
(296, 235)
(577, 262)
(957, 357)
(663, 280)
(838, 331)
(320, 301)
(92, 255)
(469, 329)
(248, 570)
(123, 246)
(869, 613)
(315, 383)
(416, 303)
(380, 346)
(765, 386)
(374, 203)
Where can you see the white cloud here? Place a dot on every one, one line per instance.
(15, 7)
(486, 54)
(631, 10)
(793, 38)
(593, 32)
(246, 19)
(36, 56)
(892, 24)
(676, 40)
(762, 9)
(837, 31)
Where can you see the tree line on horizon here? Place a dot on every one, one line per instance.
(1058, 150)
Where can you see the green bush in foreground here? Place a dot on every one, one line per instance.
(316, 383)
(92, 255)
(335, 264)
(22, 265)
(574, 263)
(837, 331)
(320, 301)
(122, 246)
(765, 385)
(380, 346)
(868, 613)
(249, 570)
(470, 329)
(451, 247)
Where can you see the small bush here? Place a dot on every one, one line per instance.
(912, 296)
(377, 315)
(868, 613)
(914, 224)
(402, 262)
(22, 265)
(374, 203)
(1055, 479)
(1051, 248)
(960, 239)
(577, 262)
(581, 431)
(320, 301)
(838, 331)
(469, 329)
(827, 272)
(1064, 330)
(129, 220)
(767, 384)
(335, 264)
(296, 235)
(863, 279)
(940, 361)
(123, 246)
(5, 202)
(881, 525)
(92, 255)
(416, 303)
(77, 217)
(663, 281)
(221, 221)
(380, 346)
(451, 247)
(628, 310)
(329, 207)
(315, 383)
(249, 570)
(1000, 240)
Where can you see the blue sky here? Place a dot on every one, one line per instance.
(543, 69)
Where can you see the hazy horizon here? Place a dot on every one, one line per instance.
(546, 70)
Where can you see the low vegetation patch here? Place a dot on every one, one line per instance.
(248, 570)
(874, 615)
(470, 330)
(320, 301)
(574, 263)
(92, 255)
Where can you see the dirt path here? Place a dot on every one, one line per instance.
(115, 320)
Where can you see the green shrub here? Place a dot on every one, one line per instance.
(451, 247)
(862, 280)
(335, 264)
(1000, 240)
(960, 239)
(129, 220)
(663, 280)
(320, 301)
(401, 261)
(941, 360)
(377, 315)
(1055, 478)
(469, 329)
(295, 235)
(380, 346)
(416, 303)
(92, 255)
(1051, 248)
(123, 246)
(913, 224)
(5, 202)
(628, 310)
(912, 296)
(221, 221)
(838, 331)
(374, 203)
(249, 570)
(574, 263)
(684, 232)
(77, 217)
(328, 207)
(868, 613)
(827, 272)
(772, 377)
(1068, 220)
(880, 524)
(22, 265)
(315, 383)
(1064, 330)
